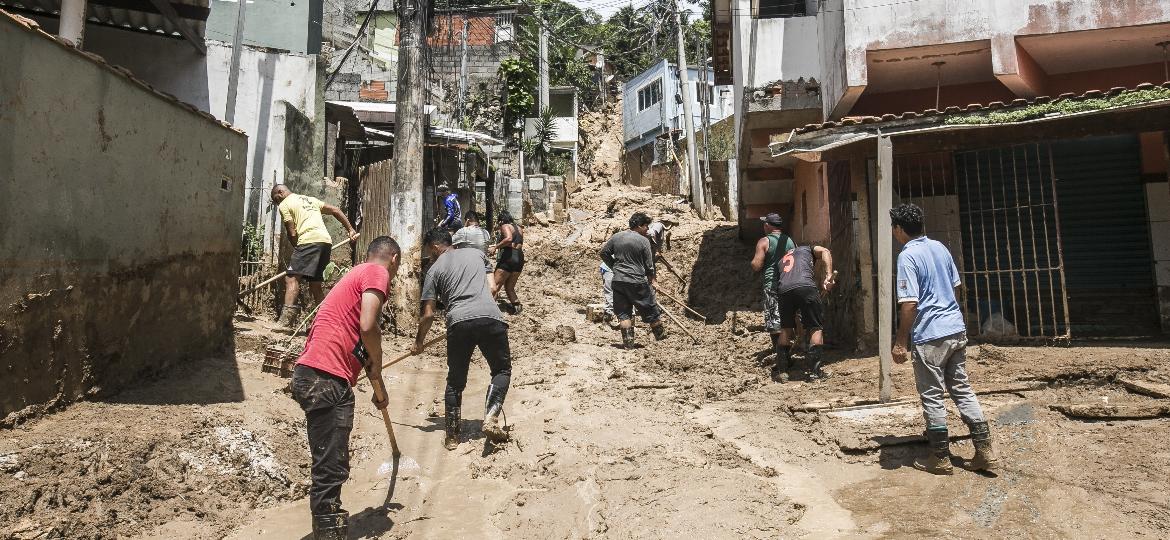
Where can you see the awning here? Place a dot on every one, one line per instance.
(372, 111)
(809, 142)
(174, 18)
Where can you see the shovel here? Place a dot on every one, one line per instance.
(245, 292)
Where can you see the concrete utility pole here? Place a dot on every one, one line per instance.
(229, 114)
(406, 193)
(72, 25)
(707, 96)
(697, 198)
(543, 93)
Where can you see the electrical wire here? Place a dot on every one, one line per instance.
(360, 33)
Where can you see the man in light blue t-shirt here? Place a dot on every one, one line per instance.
(931, 328)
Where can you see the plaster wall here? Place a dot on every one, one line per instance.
(278, 104)
(878, 24)
(291, 26)
(785, 49)
(122, 231)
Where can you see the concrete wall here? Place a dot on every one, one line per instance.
(809, 223)
(278, 103)
(122, 231)
(784, 50)
(290, 26)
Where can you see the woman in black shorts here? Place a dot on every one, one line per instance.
(511, 259)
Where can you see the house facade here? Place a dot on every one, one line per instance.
(1031, 132)
(652, 122)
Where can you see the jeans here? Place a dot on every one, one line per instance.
(491, 336)
(940, 365)
(328, 404)
(607, 289)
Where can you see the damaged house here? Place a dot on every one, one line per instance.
(1033, 137)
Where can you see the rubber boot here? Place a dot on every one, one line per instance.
(780, 368)
(451, 439)
(491, 416)
(775, 350)
(628, 337)
(659, 332)
(517, 308)
(985, 459)
(290, 317)
(938, 460)
(332, 526)
(813, 356)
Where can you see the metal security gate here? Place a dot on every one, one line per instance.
(997, 213)
(1105, 231)
(1013, 254)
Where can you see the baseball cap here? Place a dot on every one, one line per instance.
(773, 219)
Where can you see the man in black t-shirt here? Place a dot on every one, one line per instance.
(797, 287)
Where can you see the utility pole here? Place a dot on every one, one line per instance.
(406, 193)
(462, 72)
(697, 199)
(543, 103)
(229, 114)
(707, 97)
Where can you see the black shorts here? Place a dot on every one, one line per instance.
(511, 260)
(630, 296)
(808, 301)
(309, 261)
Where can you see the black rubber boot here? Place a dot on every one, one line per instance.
(775, 350)
(517, 307)
(451, 439)
(332, 526)
(628, 337)
(492, 429)
(938, 460)
(659, 332)
(780, 368)
(985, 459)
(813, 357)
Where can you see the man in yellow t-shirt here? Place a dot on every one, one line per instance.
(305, 229)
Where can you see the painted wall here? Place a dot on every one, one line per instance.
(783, 50)
(122, 231)
(292, 26)
(809, 222)
(278, 103)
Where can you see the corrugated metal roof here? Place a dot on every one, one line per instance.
(139, 15)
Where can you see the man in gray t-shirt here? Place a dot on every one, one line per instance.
(471, 234)
(457, 280)
(629, 255)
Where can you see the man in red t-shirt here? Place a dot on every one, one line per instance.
(344, 339)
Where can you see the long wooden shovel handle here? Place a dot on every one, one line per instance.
(282, 274)
(380, 393)
(680, 302)
(407, 354)
(679, 323)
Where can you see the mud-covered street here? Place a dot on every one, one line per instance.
(672, 438)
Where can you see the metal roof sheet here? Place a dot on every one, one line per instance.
(140, 15)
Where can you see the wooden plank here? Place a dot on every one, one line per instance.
(1113, 412)
(1148, 388)
(885, 255)
(849, 404)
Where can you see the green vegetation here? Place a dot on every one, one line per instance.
(1062, 107)
(252, 243)
(520, 79)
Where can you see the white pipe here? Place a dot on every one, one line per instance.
(72, 22)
